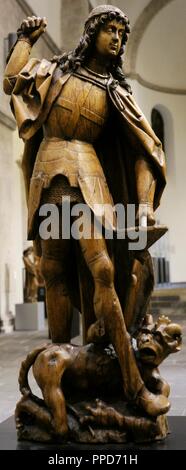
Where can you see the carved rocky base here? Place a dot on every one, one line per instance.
(89, 422)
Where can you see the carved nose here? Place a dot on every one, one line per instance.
(116, 36)
(145, 338)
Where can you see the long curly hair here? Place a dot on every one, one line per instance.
(69, 62)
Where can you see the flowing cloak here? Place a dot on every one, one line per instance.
(126, 136)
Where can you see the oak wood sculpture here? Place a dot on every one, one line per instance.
(86, 138)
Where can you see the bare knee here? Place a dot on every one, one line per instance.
(103, 270)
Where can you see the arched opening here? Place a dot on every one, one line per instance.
(163, 125)
(157, 123)
(160, 251)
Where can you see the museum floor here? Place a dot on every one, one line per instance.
(14, 347)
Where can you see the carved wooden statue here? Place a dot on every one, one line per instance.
(86, 139)
(33, 276)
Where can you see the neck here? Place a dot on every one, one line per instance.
(98, 64)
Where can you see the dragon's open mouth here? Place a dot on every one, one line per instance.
(146, 351)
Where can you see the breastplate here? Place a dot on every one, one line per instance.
(80, 111)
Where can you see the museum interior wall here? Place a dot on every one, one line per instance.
(156, 69)
(13, 205)
(159, 66)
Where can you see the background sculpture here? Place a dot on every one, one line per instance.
(33, 277)
(86, 139)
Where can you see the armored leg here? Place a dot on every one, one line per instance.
(107, 307)
(59, 308)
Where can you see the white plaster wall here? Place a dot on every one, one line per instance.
(11, 286)
(74, 14)
(65, 19)
(52, 10)
(13, 212)
(172, 211)
(132, 8)
(161, 54)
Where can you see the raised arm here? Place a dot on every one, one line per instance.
(29, 32)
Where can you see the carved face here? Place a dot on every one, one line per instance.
(156, 342)
(109, 38)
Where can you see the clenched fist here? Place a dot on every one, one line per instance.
(32, 27)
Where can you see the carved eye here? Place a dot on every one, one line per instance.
(158, 336)
(177, 337)
(174, 331)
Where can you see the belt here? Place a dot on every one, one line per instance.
(71, 144)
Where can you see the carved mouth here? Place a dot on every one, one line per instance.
(147, 352)
(114, 47)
